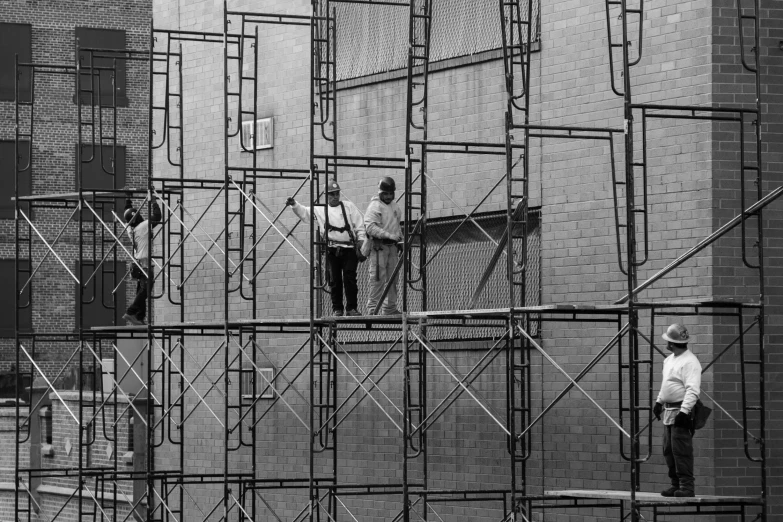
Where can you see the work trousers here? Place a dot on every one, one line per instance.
(138, 308)
(342, 263)
(678, 452)
(382, 261)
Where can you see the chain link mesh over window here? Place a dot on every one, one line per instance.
(373, 39)
(454, 274)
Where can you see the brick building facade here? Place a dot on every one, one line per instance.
(690, 56)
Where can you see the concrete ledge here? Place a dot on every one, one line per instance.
(75, 395)
(9, 486)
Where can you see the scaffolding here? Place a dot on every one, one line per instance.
(228, 354)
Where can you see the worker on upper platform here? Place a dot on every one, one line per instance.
(346, 238)
(382, 221)
(139, 234)
(679, 393)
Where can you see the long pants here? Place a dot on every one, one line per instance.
(138, 308)
(382, 264)
(678, 452)
(342, 264)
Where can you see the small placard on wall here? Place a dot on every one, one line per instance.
(258, 136)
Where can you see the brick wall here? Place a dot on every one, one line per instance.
(734, 85)
(53, 160)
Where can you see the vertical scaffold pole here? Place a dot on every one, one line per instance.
(633, 315)
(226, 273)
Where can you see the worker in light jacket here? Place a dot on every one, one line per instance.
(345, 240)
(382, 221)
(139, 233)
(680, 390)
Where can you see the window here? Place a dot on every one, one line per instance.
(100, 306)
(101, 170)
(7, 167)
(103, 79)
(15, 39)
(457, 265)
(263, 130)
(264, 382)
(8, 302)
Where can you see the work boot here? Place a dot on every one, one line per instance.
(338, 313)
(684, 493)
(393, 312)
(669, 492)
(353, 313)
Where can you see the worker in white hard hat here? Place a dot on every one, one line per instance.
(382, 221)
(680, 390)
(345, 240)
(139, 234)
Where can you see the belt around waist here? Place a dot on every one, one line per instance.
(672, 404)
(388, 242)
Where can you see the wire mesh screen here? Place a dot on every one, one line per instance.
(454, 273)
(374, 38)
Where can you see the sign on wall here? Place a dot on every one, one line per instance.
(258, 136)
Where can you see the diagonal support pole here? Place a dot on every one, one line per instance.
(253, 203)
(190, 385)
(558, 368)
(578, 378)
(357, 388)
(461, 383)
(736, 220)
(47, 244)
(269, 384)
(67, 222)
(366, 391)
(49, 385)
(438, 412)
(269, 227)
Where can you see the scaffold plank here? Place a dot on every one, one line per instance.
(647, 498)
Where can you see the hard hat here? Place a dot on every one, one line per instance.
(676, 334)
(129, 213)
(332, 187)
(386, 185)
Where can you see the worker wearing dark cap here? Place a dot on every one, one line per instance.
(382, 221)
(139, 234)
(680, 390)
(346, 236)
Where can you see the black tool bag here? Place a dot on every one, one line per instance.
(700, 414)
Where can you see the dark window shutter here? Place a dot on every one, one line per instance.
(102, 170)
(8, 301)
(7, 167)
(15, 39)
(106, 40)
(99, 306)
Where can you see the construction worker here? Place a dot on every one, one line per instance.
(680, 390)
(382, 221)
(346, 238)
(139, 234)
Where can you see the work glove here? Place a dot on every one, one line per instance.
(290, 201)
(683, 420)
(657, 410)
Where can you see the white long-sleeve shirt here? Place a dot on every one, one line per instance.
(681, 382)
(355, 220)
(382, 220)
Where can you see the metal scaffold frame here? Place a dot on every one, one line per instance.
(237, 353)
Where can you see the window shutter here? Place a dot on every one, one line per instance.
(15, 39)
(7, 167)
(106, 39)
